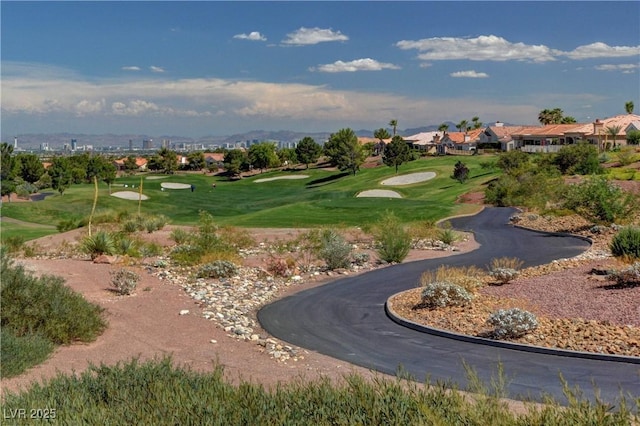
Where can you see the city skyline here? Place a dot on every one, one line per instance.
(220, 68)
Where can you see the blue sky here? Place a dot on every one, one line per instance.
(219, 68)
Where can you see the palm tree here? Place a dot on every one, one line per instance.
(476, 122)
(628, 106)
(613, 132)
(443, 128)
(462, 125)
(394, 124)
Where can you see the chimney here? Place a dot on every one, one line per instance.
(597, 126)
(467, 138)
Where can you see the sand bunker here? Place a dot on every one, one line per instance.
(129, 195)
(409, 179)
(171, 185)
(380, 193)
(156, 177)
(281, 177)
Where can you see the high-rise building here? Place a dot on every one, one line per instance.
(147, 144)
(130, 144)
(74, 144)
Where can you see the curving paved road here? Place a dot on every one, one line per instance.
(346, 319)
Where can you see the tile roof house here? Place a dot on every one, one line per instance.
(141, 162)
(460, 141)
(552, 137)
(499, 133)
(425, 141)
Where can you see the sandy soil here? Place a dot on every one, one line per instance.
(409, 179)
(148, 324)
(382, 193)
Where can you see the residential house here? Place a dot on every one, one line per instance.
(499, 133)
(141, 162)
(601, 132)
(548, 138)
(425, 141)
(214, 159)
(378, 144)
(460, 141)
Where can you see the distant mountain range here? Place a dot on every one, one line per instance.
(57, 141)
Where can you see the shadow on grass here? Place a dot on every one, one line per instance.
(326, 180)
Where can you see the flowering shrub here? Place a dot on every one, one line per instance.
(125, 281)
(218, 269)
(441, 294)
(512, 323)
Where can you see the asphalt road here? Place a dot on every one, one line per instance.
(346, 319)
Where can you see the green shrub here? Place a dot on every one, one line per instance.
(334, 249)
(18, 354)
(599, 200)
(505, 269)
(124, 281)
(580, 158)
(442, 294)
(393, 240)
(45, 306)
(218, 269)
(67, 225)
(512, 323)
(126, 246)
(100, 243)
(180, 236)
(626, 243)
(14, 243)
(447, 236)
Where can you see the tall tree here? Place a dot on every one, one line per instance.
(568, 120)
(29, 167)
(396, 153)
(394, 125)
(61, 174)
(308, 151)
(444, 128)
(460, 172)
(613, 131)
(344, 150)
(168, 160)
(235, 162)
(462, 125)
(263, 155)
(476, 122)
(628, 106)
(7, 170)
(550, 116)
(195, 160)
(380, 134)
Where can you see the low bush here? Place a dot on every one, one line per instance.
(18, 354)
(505, 269)
(180, 236)
(626, 243)
(218, 269)
(512, 323)
(628, 277)
(468, 277)
(100, 243)
(124, 281)
(67, 225)
(279, 266)
(361, 258)
(14, 243)
(601, 201)
(447, 236)
(443, 294)
(393, 240)
(334, 249)
(45, 306)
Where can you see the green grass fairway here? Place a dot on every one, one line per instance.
(323, 198)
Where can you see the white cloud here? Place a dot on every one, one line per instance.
(482, 48)
(366, 64)
(130, 68)
(154, 68)
(252, 36)
(625, 68)
(469, 74)
(602, 50)
(306, 36)
(224, 104)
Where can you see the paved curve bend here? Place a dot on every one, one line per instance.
(346, 319)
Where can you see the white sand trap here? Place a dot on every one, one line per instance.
(156, 177)
(129, 195)
(409, 179)
(281, 177)
(380, 193)
(171, 185)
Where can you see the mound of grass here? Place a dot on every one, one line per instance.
(41, 308)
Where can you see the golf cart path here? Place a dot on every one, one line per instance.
(346, 319)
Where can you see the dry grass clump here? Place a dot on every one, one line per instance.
(470, 278)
